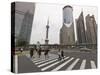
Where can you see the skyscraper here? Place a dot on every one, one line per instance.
(80, 27)
(23, 23)
(67, 31)
(25, 31)
(91, 29)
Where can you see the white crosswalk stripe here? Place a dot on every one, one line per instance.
(45, 68)
(37, 60)
(93, 66)
(47, 63)
(63, 64)
(16, 64)
(42, 58)
(73, 64)
(53, 64)
(33, 59)
(83, 64)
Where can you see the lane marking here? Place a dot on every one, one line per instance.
(45, 68)
(63, 64)
(93, 66)
(16, 64)
(83, 64)
(73, 64)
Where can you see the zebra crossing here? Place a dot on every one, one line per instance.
(83, 64)
(93, 64)
(68, 63)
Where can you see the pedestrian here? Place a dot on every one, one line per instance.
(62, 54)
(38, 45)
(46, 54)
(31, 52)
(59, 54)
(39, 53)
(21, 50)
(38, 48)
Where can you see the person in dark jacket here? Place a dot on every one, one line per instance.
(39, 53)
(46, 54)
(62, 54)
(31, 52)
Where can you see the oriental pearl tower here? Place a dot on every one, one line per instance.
(47, 30)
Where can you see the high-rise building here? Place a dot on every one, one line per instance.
(26, 27)
(91, 29)
(67, 31)
(23, 22)
(80, 27)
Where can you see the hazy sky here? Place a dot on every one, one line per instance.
(53, 12)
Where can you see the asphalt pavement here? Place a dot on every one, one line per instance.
(74, 60)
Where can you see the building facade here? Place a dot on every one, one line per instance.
(67, 31)
(23, 22)
(91, 29)
(26, 27)
(80, 27)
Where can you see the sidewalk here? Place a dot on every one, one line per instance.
(25, 65)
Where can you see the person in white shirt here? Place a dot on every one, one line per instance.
(38, 49)
(21, 49)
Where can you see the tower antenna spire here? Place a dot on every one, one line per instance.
(48, 21)
(47, 31)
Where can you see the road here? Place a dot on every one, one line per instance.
(73, 60)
